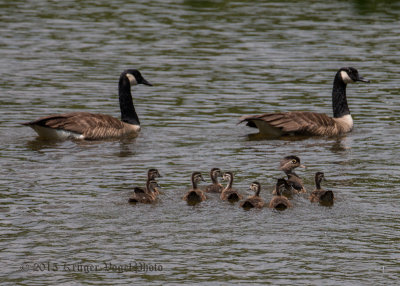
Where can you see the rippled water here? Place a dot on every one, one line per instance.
(65, 203)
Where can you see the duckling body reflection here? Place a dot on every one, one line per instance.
(195, 195)
(324, 197)
(229, 194)
(145, 195)
(278, 201)
(254, 201)
(287, 165)
(215, 187)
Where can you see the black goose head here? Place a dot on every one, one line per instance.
(350, 75)
(290, 162)
(135, 77)
(152, 174)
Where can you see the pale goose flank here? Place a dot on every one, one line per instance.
(311, 123)
(89, 126)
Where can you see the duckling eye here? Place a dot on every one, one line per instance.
(294, 161)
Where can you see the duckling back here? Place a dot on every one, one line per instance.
(279, 203)
(194, 196)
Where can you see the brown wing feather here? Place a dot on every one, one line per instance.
(90, 125)
(298, 122)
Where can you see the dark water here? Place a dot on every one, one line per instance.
(64, 203)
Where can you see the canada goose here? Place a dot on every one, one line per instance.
(278, 201)
(311, 123)
(215, 187)
(228, 193)
(195, 195)
(324, 197)
(152, 174)
(85, 125)
(145, 195)
(288, 164)
(254, 201)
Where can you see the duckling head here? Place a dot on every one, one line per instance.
(290, 162)
(153, 173)
(215, 173)
(255, 187)
(227, 176)
(197, 177)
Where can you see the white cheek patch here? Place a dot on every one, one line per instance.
(131, 78)
(345, 77)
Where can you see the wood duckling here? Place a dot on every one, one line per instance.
(287, 191)
(228, 193)
(195, 195)
(145, 195)
(153, 174)
(287, 165)
(215, 187)
(278, 201)
(254, 201)
(324, 197)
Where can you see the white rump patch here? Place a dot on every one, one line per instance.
(132, 79)
(345, 77)
(58, 134)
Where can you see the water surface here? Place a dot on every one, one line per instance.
(210, 62)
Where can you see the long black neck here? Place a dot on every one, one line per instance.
(128, 113)
(339, 100)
